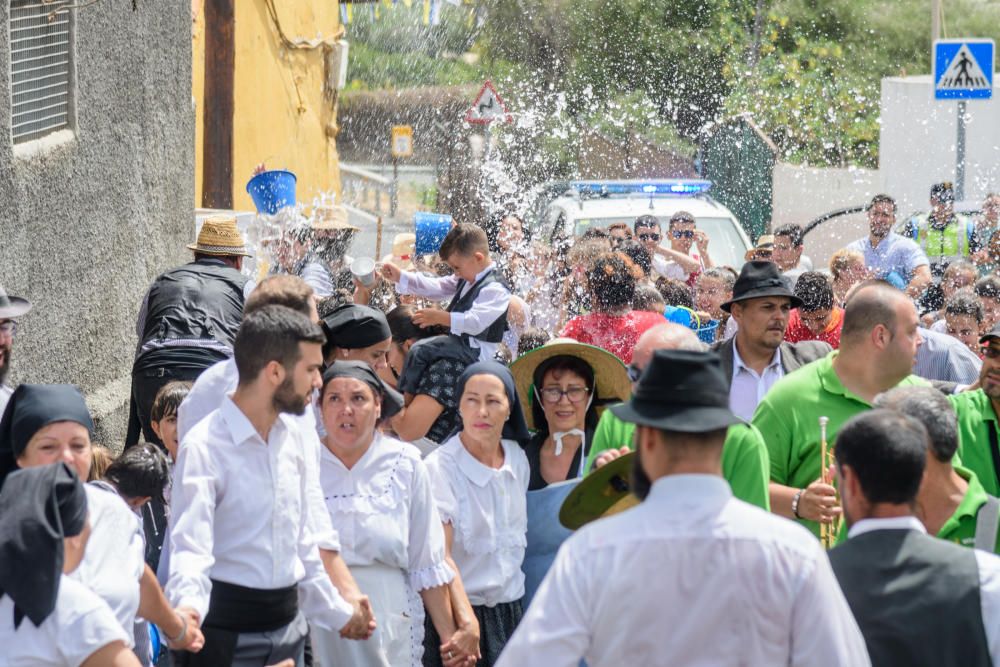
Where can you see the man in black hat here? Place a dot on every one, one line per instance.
(11, 307)
(918, 600)
(689, 556)
(757, 356)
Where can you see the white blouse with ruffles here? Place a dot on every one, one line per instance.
(385, 513)
(488, 510)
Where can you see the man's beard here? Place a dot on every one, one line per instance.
(5, 365)
(640, 482)
(287, 401)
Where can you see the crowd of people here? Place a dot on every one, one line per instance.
(333, 469)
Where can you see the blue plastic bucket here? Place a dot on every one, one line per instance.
(682, 316)
(272, 190)
(707, 333)
(430, 228)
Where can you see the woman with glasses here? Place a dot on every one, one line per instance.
(565, 383)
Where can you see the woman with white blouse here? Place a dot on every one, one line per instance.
(46, 618)
(378, 493)
(480, 479)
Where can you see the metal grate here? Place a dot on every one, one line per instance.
(41, 46)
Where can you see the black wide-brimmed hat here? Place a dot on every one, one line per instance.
(681, 391)
(12, 306)
(759, 279)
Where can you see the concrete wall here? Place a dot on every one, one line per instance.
(92, 216)
(283, 114)
(804, 193)
(917, 142)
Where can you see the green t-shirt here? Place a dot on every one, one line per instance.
(744, 456)
(788, 419)
(975, 419)
(960, 528)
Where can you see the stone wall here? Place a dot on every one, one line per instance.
(90, 216)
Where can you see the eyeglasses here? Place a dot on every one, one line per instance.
(683, 233)
(634, 373)
(991, 352)
(649, 237)
(555, 394)
(8, 328)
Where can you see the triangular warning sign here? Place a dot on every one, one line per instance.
(963, 72)
(487, 107)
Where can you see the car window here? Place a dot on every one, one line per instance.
(725, 244)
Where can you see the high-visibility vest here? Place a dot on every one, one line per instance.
(943, 245)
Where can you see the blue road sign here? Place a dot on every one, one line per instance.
(963, 69)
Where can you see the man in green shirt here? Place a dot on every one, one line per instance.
(877, 347)
(744, 455)
(951, 503)
(977, 418)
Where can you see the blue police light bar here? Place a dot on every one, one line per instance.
(680, 186)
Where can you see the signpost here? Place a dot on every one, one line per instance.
(963, 70)
(400, 145)
(487, 107)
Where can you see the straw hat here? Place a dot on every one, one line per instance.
(220, 237)
(331, 218)
(763, 250)
(403, 250)
(610, 374)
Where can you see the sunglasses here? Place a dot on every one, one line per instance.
(649, 237)
(634, 373)
(683, 233)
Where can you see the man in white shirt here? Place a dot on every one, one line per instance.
(676, 262)
(691, 575)
(918, 600)
(242, 552)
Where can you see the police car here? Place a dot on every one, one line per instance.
(589, 204)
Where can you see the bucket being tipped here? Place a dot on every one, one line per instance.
(430, 229)
(272, 190)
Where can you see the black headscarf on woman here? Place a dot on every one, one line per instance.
(31, 408)
(516, 427)
(353, 326)
(39, 506)
(392, 401)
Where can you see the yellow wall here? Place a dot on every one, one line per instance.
(282, 117)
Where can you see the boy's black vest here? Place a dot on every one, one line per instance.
(915, 598)
(463, 303)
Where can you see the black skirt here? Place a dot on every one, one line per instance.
(496, 625)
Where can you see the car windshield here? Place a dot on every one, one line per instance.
(725, 244)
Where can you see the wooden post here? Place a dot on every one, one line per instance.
(378, 238)
(219, 102)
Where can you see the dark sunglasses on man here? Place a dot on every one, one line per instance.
(651, 236)
(682, 233)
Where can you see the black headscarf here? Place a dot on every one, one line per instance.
(353, 326)
(516, 427)
(39, 506)
(392, 401)
(31, 408)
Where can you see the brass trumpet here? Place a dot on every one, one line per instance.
(827, 531)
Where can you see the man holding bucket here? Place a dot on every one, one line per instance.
(189, 318)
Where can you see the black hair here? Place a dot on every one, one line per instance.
(531, 339)
(648, 298)
(560, 364)
(675, 292)
(612, 283)
(965, 302)
(272, 333)
(638, 254)
(792, 231)
(168, 400)
(932, 409)
(882, 199)
(988, 287)
(140, 471)
(595, 233)
(815, 290)
(887, 450)
(281, 290)
(401, 325)
(645, 221)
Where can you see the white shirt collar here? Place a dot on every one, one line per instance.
(738, 361)
(891, 523)
(688, 494)
(482, 274)
(479, 474)
(239, 425)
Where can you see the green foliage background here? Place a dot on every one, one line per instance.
(808, 71)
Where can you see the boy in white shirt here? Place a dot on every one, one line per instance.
(479, 298)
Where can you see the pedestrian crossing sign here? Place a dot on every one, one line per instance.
(963, 69)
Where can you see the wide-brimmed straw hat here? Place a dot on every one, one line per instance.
(12, 306)
(604, 492)
(404, 247)
(219, 236)
(760, 278)
(610, 374)
(328, 218)
(763, 250)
